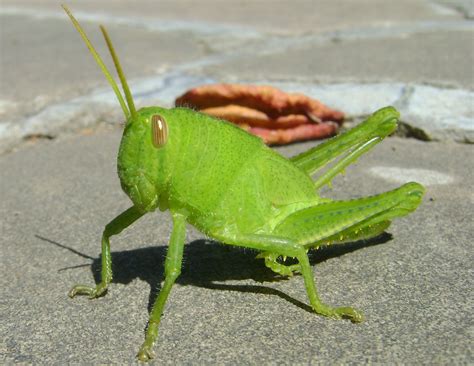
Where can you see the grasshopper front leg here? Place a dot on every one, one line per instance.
(116, 226)
(174, 258)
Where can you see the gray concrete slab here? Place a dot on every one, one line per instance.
(54, 64)
(226, 308)
(275, 17)
(420, 58)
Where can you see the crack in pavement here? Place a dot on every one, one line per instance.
(420, 106)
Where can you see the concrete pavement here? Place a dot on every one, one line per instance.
(59, 134)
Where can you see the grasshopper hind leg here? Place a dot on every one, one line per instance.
(276, 245)
(358, 218)
(345, 312)
(336, 221)
(362, 231)
(340, 221)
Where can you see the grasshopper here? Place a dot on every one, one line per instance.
(234, 189)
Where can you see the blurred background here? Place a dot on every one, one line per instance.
(354, 55)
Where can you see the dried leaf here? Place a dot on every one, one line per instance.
(248, 116)
(267, 99)
(275, 116)
(298, 133)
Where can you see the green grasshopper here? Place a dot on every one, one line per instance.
(233, 188)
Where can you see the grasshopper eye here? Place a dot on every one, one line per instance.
(159, 131)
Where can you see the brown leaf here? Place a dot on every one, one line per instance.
(275, 116)
(248, 116)
(267, 99)
(298, 133)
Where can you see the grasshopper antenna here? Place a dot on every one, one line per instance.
(101, 64)
(121, 75)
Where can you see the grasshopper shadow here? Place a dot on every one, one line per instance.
(208, 264)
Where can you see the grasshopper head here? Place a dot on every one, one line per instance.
(144, 138)
(142, 159)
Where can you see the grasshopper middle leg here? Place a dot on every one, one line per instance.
(173, 263)
(271, 261)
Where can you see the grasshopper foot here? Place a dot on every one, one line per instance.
(145, 353)
(92, 292)
(344, 312)
(352, 314)
(146, 350)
